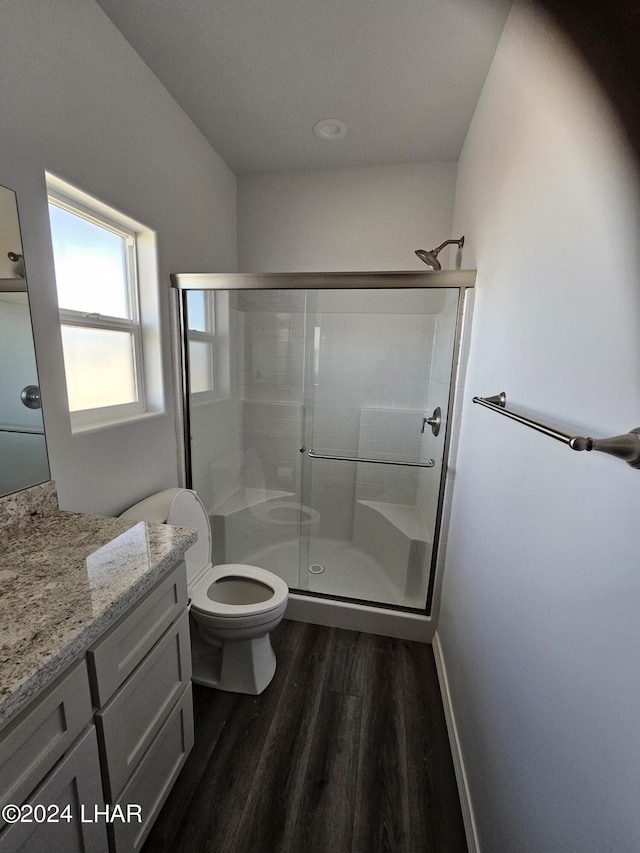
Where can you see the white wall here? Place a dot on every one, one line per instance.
(539, 622)
(364, 218)
(77, 101)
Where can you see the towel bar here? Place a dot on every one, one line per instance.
(625, 447)
(427, 463)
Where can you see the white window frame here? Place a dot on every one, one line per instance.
(216, 337)
(207, 337)
(143, 323)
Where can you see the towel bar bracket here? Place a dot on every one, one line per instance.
(626, 447)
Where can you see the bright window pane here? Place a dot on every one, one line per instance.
(196, 307)
(90, 264)
(100, 367)
(199, 366)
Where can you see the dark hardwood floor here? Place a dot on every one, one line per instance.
(346, 751)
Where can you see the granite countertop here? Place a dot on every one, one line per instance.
(64, 579)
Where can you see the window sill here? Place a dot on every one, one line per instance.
(109, 423)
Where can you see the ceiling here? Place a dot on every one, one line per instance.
(255, 75)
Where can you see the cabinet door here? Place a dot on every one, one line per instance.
(129, 723)
(32, 744)
(74, 782)
(149, 786)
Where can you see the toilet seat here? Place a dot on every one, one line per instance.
(202, 603)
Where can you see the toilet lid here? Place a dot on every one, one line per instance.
(238, 590)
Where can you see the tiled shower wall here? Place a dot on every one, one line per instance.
(271, 442)
(374, 368)
(272, 388)
(389, 434)
(216, 449)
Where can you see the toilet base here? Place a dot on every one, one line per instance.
(243, 666)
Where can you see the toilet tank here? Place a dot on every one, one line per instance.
(183, 508)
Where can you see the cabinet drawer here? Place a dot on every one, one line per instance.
(131, 720)
(154, 777)
(75, 781)
(113, 658)
(33, 743)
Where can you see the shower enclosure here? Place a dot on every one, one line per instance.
(317, 424)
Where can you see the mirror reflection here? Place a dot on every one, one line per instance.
(23, 452)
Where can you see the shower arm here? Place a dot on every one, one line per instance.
(438, 249)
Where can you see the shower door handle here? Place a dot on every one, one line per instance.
(434, 421)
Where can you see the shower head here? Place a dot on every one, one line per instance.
(431, 258)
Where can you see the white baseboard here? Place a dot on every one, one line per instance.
(456, 752)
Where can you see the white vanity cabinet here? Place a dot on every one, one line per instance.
(141, 676)
(115, 728)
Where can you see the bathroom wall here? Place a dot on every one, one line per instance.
(77, 101)
(361, 218)
(539, 623)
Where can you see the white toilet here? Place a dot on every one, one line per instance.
(233, 607)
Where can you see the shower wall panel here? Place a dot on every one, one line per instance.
(216, 450)
(271, 439)
(373, 370)
(272, 389)
(389, 434)
(273, 351)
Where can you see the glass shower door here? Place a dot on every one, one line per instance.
(309, 445)
(378, 363)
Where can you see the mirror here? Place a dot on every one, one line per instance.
(23, 451)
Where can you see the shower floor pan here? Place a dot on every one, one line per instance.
(348, 571)
(386, 563)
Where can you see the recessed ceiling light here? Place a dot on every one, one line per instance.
(330, 129)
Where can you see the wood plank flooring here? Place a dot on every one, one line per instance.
(346, 751)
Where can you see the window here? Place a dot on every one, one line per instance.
(96, 255)
(208, 324)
